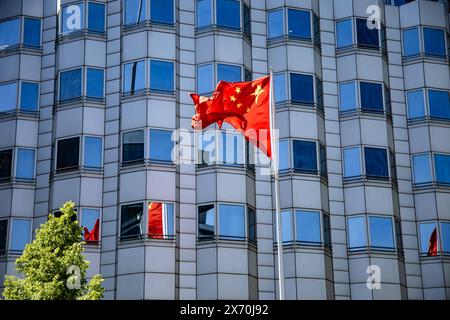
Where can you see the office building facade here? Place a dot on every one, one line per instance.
(91, 93)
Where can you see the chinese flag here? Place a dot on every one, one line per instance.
(432, 244)
(155, 220)
(92, 235)
(244, 105)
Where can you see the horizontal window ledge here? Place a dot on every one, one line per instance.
(432, 186)
(81, 101)
(425, 57)
(429, 120)
(145, 239)
(365, 113)
(294, 40)
(299, 106)
(298, 245)
(20, 49)
(222, 30)
(147, 164)
(19, 114)
(11, 253)
(82, 34)
(149, 93)
(379, 251)
(363, 49)
(13, 182)
(230, 240)
(440, 255)
(149, 25)
(370, 180)
(311, 174)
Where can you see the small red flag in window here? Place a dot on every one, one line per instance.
(433, 244)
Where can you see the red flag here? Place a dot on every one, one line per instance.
(433, 244)
(92, 235)
(244, 105)
(155, 220)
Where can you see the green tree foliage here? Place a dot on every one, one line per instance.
(53, 266)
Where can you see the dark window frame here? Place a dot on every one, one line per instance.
(74, 167)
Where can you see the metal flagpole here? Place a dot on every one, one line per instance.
(274, 165)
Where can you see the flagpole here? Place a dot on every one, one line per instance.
(274, 165)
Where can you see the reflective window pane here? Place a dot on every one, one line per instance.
(228, 73)
(381, 233)
(371, 96)
(344, 33)
(9, 32)
(25, 164)
(96, 17)
(323, 160)
(205, 79)
(90, 221)
(232, 148)
(134, 77)
(251, 224)
(276, 25)
(442, 168)
(287, 232)
(439, 102)
(134, 11)
(411, 44)
(133, 146)
(421, 168)
(93, 152)
(8, 96)
(5, 164)
(246, 19)
(326, 230)
(302, 88)
(204, 13)
(68, 154)
(29, 96)
(352, 162)
(283, 153)
(72, 18)
(357, 233)
(160, 220)
(3, 234)
(206, 221)
(279, 87)
(70, 84)
(445, 232)
(161, 11)
(347, 96)
(228, 13)
(416, 104)
(434, 41)
(161, 145)
(161, 76)
(20, 234)
(231, 221)
(206, 147)
(366, 37)
(299, 24)
(429, 240)
(95, 83)
(376, 162)
(307, 227)
(32, 32)
(305, 156)
(131, 220)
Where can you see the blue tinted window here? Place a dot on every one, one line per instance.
(161, 11)
(134, 77)
(416, 104)
(421, 167)
(161, 145)
(94, 86)
(133, 146)
(283, 153)
(134, 11)
(305, 156)
(170, 219)
(161, 76)
(205, 78)
(206, 221)
(344, 33)
(299, 24)
(70, 84)
(307, 227)
(231, 146)
(445, 232)
(367, 37)
(93, 152)
(29, 96)
(434, 41)
(96, 17)
(25, 164)
(228, 73)
(287, 233)
(276, 26)
(381, 233)
(32, 32)
(376, 162)
(89, 218)
(20, 235)
(439, 104)
(323, 160)
(72, 18)
(302, 88)
(352, 162)
(251, 224)
(207, 147)
(357, 233)
(247, 19)
(231, 221)
(411, 44)
(228, 13)
(442, 167)
(326, 230)
(204, 13)
(5, 164)
(429, 241)
(371, 96)
(9, 32)
(347, 96)
(279, 87)
(8, 96)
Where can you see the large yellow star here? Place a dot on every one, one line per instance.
(259, 90)
(238, 90)
(232, 98)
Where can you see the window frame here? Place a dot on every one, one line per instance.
(12, 169)
(369, 234)
(441, 233)
(22, 33)
(16, 164)
(7, 236)
(141, 236)
(15, 45)
(146, 77)
(388, 163)
(357, 96)
(81, 218)
(245, 217)
(83, 152)
(303, 171)
(17, 83)
(216, 13)
(19, 99)
(82, 85)
(438, 237)
(321, 228)
(70, 169)
(149, 12)
(384, 88)
(315, 103)
(10, 236)
(85, 83)
(174, 71)
(366, 233)
(214, 236)
(420, 42)
(145, 155)
(380, 46)
(146, 221)
(445, 34)
(430, 169)
(149, 145)
(434, 169)
(85, 19)
(353, 36)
